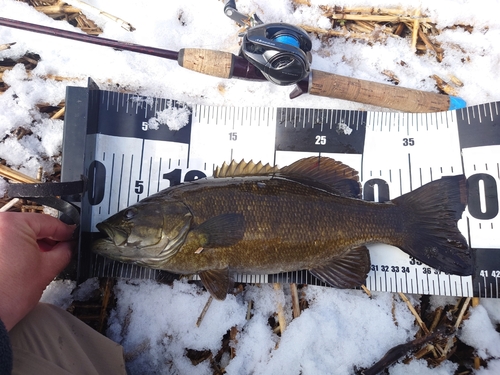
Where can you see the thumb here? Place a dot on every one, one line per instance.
(56, 259)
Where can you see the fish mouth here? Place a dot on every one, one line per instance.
(116, 235)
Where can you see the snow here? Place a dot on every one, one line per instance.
(174, 118)
(320, 340)
(488, 342)
(170, 336)
(420, 367)
(340, 330)
(59, 293)
(493, 368)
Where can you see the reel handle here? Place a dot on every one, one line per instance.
(380, 94)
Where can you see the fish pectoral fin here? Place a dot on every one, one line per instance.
(217, 282)
(222, 230)
(348, 270)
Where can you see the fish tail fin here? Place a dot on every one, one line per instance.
(431, 234)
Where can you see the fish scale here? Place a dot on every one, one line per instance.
(277, 209)
(287, 221)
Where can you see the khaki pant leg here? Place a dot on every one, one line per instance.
(51, 341)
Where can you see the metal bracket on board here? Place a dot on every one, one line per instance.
(108, 136)
(48, 194)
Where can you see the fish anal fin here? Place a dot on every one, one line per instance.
(221, 231)
(217, 282)
(348, 270)
(334, 174)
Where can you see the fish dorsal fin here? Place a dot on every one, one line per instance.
(329, 172)
(235, 169)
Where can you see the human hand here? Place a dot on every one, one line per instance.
(34, 249)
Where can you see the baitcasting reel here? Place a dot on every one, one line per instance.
(279, 50)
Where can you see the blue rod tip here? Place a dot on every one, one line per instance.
(457, 103)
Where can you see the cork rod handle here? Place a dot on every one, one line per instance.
(379, 94)
(214, 63)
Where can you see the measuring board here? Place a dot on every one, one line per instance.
(107, 138)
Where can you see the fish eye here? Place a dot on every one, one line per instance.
(130, 213)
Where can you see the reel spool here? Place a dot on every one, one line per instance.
(280, 51)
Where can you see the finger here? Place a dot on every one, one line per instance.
(46, 226)
(46, 244)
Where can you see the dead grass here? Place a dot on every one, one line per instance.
(436, 339)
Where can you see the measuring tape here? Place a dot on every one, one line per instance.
(107, 137)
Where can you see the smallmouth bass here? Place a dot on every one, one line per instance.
(255, 219)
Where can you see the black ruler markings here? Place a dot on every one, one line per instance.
(150, 175)
(130, 175)
(479, 128)
(303, 130)
(120, 183)
(131, 121)
(159, 174)
(410, 172)
(312, 115)
(112, 173)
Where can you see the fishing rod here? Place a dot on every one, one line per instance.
(276, 52)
